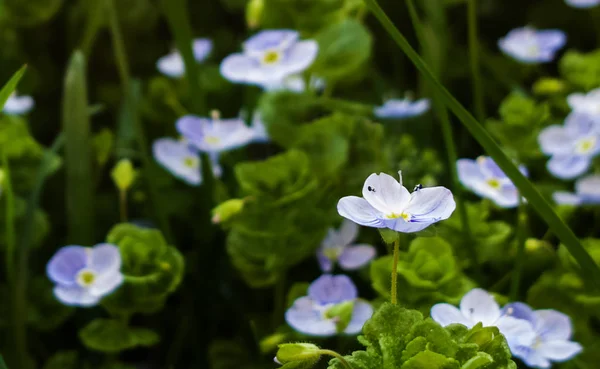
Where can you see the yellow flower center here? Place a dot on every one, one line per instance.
(271, 57)
(493, 183)
(212, 140)
(190, 162)
(402, 215)
(85, 278)
(332, 253)
(586, 145)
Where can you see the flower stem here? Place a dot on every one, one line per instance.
(394, 288)
(337, 356)
(123, 205)
(474, 59)
(10, 219)
(520, 260)
(589, 268)
(279, 299)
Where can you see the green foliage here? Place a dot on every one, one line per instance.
(40, 219)
(427, 273)
(110, 336)
(151, 267)
(62, 360)
(301, 352)
(11, 85)
(46, 313)
(582, 70)
(31, 13)
(224, 354)
(396, 337)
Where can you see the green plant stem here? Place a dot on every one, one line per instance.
(10, 219)
(128, 88)
(478, 97)
(394, 288)
(525, 187)
(279, 299)
(19, 289)
(123, 205)
(337, 356)
(520, 259)
(451, 151)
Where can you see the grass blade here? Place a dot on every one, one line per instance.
(526, 188)
(474, 61)
(10, 219)
(11, 86)
(78, 154)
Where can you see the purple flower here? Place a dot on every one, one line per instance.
(269, 57)
(585, 103)
(571, 146)
(553, 332)
(337, 247)
(582, 4)
(83, 275)
(486, 179)
(172, 64)
(17, 105)
(311, 315)
(478, 306)
(179, 158)
(404, 108)
(531, 46)
(388, 204)
(587, 192)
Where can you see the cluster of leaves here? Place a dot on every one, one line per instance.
(396, 337)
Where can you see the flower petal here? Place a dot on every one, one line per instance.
(105, 258)
(75, 296)
(299, 57)
(106, 283)
(361, 312)
(359, 211)
(553, 325)
(385, 194)
(517, 332)
(568, 167)
(242, 68)
(446, 314)
(347, 233)
(192, 128)
(480, 306)
(519, 310)
(177, 157)
(272, 39)
(554, 140)
(66, 263)
(202, 48)
(305, 317)
(324, 262)
(469, 173)
(171, 65)
(429, 205)
(566, 198)
(589, 188)
(355, 257)
(531, 357)
(330, 289)
(559, 350)
(505, 197)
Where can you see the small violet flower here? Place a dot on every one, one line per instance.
(269, 57)
(531, 46)
(172, 64)
(587, 192)
(402, 108)
(295, 83)
(486, 179)
(337, 247)
(83, 275)
(571, 146)
(183, 161)
(582, 4)
(314, 315)
(388, 204)
(478, 306)
(17, 105)
(553, 332)
(585, 103)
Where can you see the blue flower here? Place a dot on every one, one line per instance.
(388, 204)
(553, 332)
(83, 275)
(295, 83)
(172, 64)
(587, 192)
(269, 57)
(479, 306)
(531, 46)
(571, 146)
(486, 179)
(179, 158)
(585, 103)
(17, 105)
(402, 108)
(311, 315)
(583, 4)
(338, 247)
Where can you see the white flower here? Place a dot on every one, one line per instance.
(404, 108)
(338, 246)
(530, 46)
(18, 105)
(585, 103)
(582, 4)
(587, 192)
(172, 64)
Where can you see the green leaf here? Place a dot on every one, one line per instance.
(389, 236)
(112, 336)
(342, 313)
(526, 188)
(581, 69)
(430, 360)
(11, 86)
(62, 360)
(519, 110)
(297, 290)
(344, 48)
(479, 361)
(2, 363)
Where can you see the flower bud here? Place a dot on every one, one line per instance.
(254, 11)
(226, 210)
(548, 86)
(306, 352)
(123, 174)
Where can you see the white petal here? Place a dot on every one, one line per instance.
(446, 314)
(305, 317)
(355, 257)
(480, 306)
(332, 289)
(589, 186)
(568, 167)
(18, 104)
(171, 65)
(106, 283)
(241, 68)
(432, 204)
(299, 57)
(385, 194)
(554, 140)
(359, 211)
(75, 296)
(518, 332)
(469, 173)
(348, 232)
(174, 155)
(566, 198)
(559, 350)
(105, 257)
(361, 312)
(553, 325)
(531, 357)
